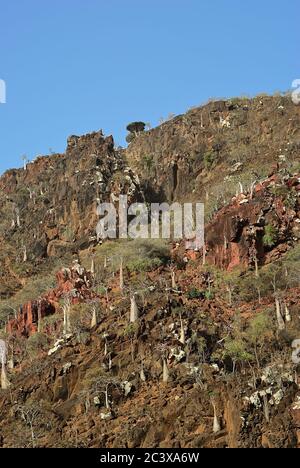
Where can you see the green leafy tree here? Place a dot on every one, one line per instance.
(257, 334)
(235, 349)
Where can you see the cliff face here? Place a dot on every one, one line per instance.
(235, 237)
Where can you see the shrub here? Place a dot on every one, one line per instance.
(37, 342)
(235, 349)
(131, 330)
(195, 294)
(130, 137)
(146, 264)
(271, 236)
(209, 159)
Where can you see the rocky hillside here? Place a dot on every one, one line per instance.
(208, 151)
(150, 343)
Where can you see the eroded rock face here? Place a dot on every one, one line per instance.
(236, 236)
(26, 321)
(74, 283)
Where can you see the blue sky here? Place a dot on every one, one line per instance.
(75, 66)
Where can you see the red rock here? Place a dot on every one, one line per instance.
(76, 280)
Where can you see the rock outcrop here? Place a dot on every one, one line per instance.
(73, 284)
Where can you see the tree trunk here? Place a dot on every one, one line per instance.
(165, 372)
(39, 317)
(134, 312)
(142, 374)
(174, 285)
(94, 318)
(182, 334)
(121, 276)
(288, 317)
(280, 321)
(204, 255)
(5, 384)
(106, 399)
(216, 424)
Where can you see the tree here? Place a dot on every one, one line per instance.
(136, 127)
(166, 374)
(182, 332)
(30, 414)
(280, 320)
(216, 424)
(121, 275)
(25, 161)
(258, 332)
(103, 385)
(66, 310)
(235, 349)
(134, 311)
(5, 384)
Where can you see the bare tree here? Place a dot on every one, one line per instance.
(103, 385)
(31, 415)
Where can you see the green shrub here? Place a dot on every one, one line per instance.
(209, 159)
(130, 330)
(271, 236)
(195, 294)
(148, 163)
(144, 264)
(37, 342)
(235, 349)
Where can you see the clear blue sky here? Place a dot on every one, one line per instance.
(74, 66)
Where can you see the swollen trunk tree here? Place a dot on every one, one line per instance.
(280, 321)
(134, 311)
(266, 408)
(39, 316)
(182, 333)
(229, 290)
(5, 384)
(94, 318)
(288, 317)
(252, 189)
(166, 374)
(24, 254)
(256, 267)
(67, 325)
(204, 255)
(174, 285)
(216, 424)
(93, 266)
(142, 374)
(121, 276)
